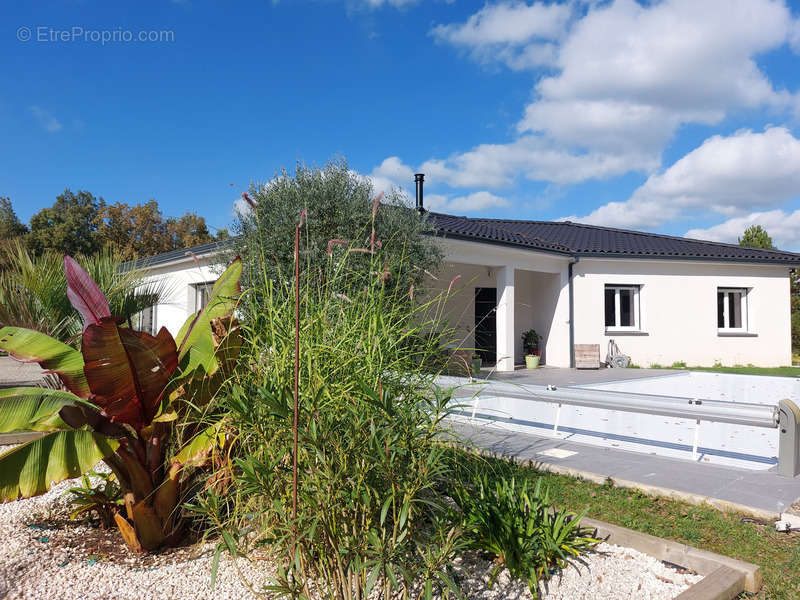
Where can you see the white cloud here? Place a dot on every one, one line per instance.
(474, 202)
(627, 76)
(498, 165)
(727, 175)
(392, 175)
(241, 208)
(635, 73)
(46, 119)
(394, 169)
(783, 228)
(513, 32)
(380, 3)
(794, 36)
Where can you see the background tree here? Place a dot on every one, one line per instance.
(11, 229)
(142, 230)
(756, 236)
(188, 230)
(67, 227)
(10, 225)
(133, 230)
(341, 215)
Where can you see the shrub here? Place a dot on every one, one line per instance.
(370, 513)
(519, 525)
(341, 211)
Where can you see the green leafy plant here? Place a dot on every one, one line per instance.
(103, 498)
(370, 515)
(124, 394)
(519, 525)
(530, 341)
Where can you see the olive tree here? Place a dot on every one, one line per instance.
(343, 213)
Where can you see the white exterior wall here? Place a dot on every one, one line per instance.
(179, 278)
(541, 299)
(677, 303)
(678, 308)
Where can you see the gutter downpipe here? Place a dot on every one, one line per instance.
(575, 260)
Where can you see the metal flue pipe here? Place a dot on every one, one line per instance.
(419, 179)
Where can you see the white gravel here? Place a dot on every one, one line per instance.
(45, 556)
(610, 573)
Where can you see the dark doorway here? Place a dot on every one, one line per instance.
(485, 324)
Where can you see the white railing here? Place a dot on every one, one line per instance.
(785, 416)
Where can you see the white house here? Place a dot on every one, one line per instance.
(661, 298)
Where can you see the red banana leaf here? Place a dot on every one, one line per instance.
(84, 294)
(127, 370)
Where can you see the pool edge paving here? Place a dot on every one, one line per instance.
(762, 494)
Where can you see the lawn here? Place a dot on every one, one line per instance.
(704, 527)
(737, 369)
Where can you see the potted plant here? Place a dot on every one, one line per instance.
(476, 362)
(530, 342)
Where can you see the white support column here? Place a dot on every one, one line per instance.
(505, 319)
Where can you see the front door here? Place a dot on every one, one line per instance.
(485, 324)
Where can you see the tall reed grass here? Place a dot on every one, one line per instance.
(370, 466)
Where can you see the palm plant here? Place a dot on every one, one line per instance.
(126, 392)
(32, 290)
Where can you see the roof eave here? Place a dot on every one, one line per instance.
(480, 240)
(726, 259)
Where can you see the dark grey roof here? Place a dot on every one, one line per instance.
(559, 237)
(173, 255)
(578, 239)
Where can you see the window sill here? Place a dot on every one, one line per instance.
(736, 334)
(625, 332)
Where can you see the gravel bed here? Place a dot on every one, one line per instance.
(44, 556)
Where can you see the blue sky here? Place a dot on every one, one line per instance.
(676, 116)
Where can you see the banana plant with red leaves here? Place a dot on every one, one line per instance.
(123, 394)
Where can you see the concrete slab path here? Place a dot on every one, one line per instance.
(763, 494)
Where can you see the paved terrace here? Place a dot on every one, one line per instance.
(561, 377)
(16, 374)
(759, 492)
(763, 493)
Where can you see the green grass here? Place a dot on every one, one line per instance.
(751, 370)
(736, 369)
(699, 526)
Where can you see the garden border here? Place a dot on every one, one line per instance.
(723, 577)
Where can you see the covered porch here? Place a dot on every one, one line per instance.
(497, 294)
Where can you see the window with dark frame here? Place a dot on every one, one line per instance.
(202, 292)
(622, 307)
(732, 309)
(146, 320)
